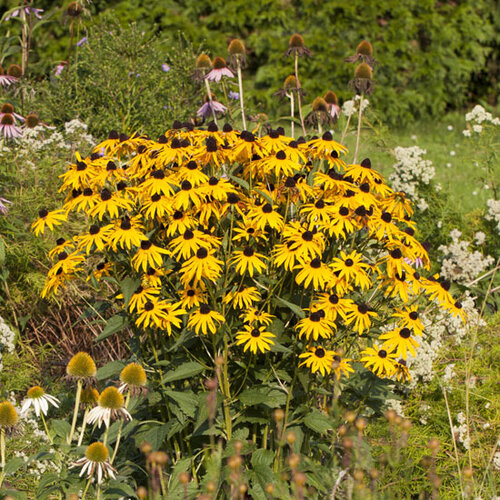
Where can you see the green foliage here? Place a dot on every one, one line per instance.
(116, 81)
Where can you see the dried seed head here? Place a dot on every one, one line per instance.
(219, 63)
(360, 424)
(331, 97)
(184, 478)
(468, 472)
(279, 415)
(7, 119)
(81, 365)
(234, 462)
(350, 416)
(146, 448)
(296, 41)
(111, 398)
(293, 460)
(358, 475)
(319, 105)
(365, 48)
(142, 493)
(8, 414)
(35, 392)
(238, 446)
(342, 430)
(300, 479)
(74, 9)
(134, 375)
(390, 415)
(290, 83)
(433, 444)
(364, 71)
(203, 62)
(32, 120)
(236, 47)
(90, 396)
(406, 425)
(291, 437)
(97, 452)
(15, 70)
(270, 488)
(7, 107)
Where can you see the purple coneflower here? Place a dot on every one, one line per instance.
(219, 70)
(14, 72)
(60, 67)
(27, 11)
(8, 127)
(333, 104)
(206, 110)
(7, 108)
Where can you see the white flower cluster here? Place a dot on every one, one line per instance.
(395, 404)
(438, 328)
(351, 107)
(460, 431)
(7, 337)
(476, 118)
(496, 460)
(410, 172)
(493, 212)
(459, 263)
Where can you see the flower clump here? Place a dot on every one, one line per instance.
(228, 233)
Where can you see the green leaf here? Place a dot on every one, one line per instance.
(2, 252)
(115, 324)
(262, 457)
(128, 286)
(186, 370)
(244, 184)
(187, 401)
(265, 196)
(153, 433)
(17, 495)
(110, 370)
(251, 397)
(293, 307)
(119, 489)
(13, 465)
(61, 427)
(318, 422)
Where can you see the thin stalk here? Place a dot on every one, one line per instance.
(2, 447)
(84, 424)
(106, 432)
(227, 99)
(46, 428)
(345, 129)
(117, 444)
(240, 85)
(299, 99)
(75, 411)
(87, 486)
(359, 128)
(292, 114)
(320, 128)
(209, 93)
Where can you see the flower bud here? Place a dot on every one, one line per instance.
(365, 48)
(203, 62)
(319, 105)
(296, 41)
(363, 71)
(236, 47)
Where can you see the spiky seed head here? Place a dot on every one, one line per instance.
(365, 48)
(90, 396)
(74, 9)
(134, 375)
(290, 82)
(35, 392)
(111, 398)
(7, 119)
(363, 71)
(32, 120)
(8, 414)
(81, 365)
(97, 452)
(184, 478)
(7, 107)
(15, 70)
(319, 104)
(331, 97)
(236, 47)
(203, 62)
(296, 41)
(219, 63)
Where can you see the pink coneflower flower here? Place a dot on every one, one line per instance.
(206, 110)
(60, 67)
(333, 104)
(219, 70)
(8, 127)
(14, 72)
(7, 108)
(26, 10)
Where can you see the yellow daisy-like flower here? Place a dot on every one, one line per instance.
(173, 313)
(315, 273)
(402, 373)
(152, 313)
(341, 366)
(253, 315)
(409, 318)
(255, 339)
(201, 265)
(97, 238)
(192, 296)
(205, 319)
(265, 215)
(185, 246)
(399, 340)
(361, 315)
(316, 325)
(248, 260)
(148, 255)
(141, 296)
(351, 268)
(379, 361)
(48, 219)
(243, 298)
(318, 359)
(126, 234)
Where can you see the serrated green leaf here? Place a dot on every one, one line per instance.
(61, 427)
(318, 422)
(187, 401)
(128, 286)
(186, 370)
(293, 307)
(110, 369)
(115, 324)
(13, 465)
(256, 396)
(262, 457)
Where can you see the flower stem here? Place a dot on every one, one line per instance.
(292, 114)
(84, 424)
(2, 451)
(209, 93)
(299, 99)
(75, 411)
(117, 444)
(359, 128)
(87, 486)
(46, 428)
(240, 85)
(345, 129)
(227, 99)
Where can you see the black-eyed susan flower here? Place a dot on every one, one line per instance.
(174, 313)
(324, 146)
(157, 206)
(341, 366)
(203, 264)
(398, 286)
(142, 295)
(185, 246)
(333, 305)
(401, 372)
(152, 313)
(49, 220)
(126, 233)
(96, 463)
(318, 358)
(110, 406)
(351, 267)
(242, 298)
(361, 315)
(37, 398)
(255, 339)
(286, 255)
(315, 273)
(253, 315)
(109, 203)
(409, 317)
(248, 261)
(379, 361)
(192, 296)
(316, 325)
(148, 255)
(95, 239)
(399, 340)
(205, 320)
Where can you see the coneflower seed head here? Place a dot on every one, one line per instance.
(8, 414)
(7, 119)
(219, 63)
(134, 375)
(90, 396)
(365, 48)
(7, 108)
(290, 82)
(236, 47)
(112, 398)
(203, 62)
(331, 97)
(32, 120)
(363, 71)
(319, 104)
(35, 392)
(81, 365)
(296, 40)
(97, 452)
(15, 70)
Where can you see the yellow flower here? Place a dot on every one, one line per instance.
(318, 359)
(248, 260)
(48, 219)
(255, 339)
(205, 319)
(316, 325)
(379, 361)
(148, 255)
(243, 298)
